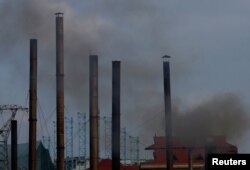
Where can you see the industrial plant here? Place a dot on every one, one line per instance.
(121, 150)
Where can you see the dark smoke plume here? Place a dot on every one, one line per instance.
(115, 30)
(223, 114)
(137, 32)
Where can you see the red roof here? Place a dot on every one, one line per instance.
(180, 151)
(106, 164)
(160, 143)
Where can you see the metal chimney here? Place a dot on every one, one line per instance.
(168, 116)
(60, 90)
(93, 112)
(116, 69)
(190, 158)
(32, 104)
(13, 145)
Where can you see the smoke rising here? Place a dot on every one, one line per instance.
(223, 114)
(113, 30)
(136, 32)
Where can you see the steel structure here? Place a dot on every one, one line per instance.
(82, 129)
(107, 136)
(54, 148)
(124, 145)
(134, 149)
(69, 142)
(137, 141)
(5, 131)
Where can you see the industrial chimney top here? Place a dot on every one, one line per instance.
(59, 14)
(166, 57)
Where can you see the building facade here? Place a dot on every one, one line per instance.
(185, 156)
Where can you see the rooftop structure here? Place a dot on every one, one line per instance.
(185, 155)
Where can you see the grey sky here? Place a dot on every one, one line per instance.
(209, 42)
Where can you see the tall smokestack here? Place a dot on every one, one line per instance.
(32, 104)
(60, 90)
(168, 115)
(190, 158)
(116, 115)
(13, 145)
(93, 112)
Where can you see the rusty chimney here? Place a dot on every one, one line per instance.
(168, 115)
(93, 112)
(32, 104)
(116, 115)
(60, 91)
(13, 145)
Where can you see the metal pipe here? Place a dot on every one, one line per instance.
(60, 90)
(94, 112)
(32, 104)
(116, 115)
(190, 159)
(13, 145)
(168, 116)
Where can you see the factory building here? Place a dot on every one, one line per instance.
(184, 155)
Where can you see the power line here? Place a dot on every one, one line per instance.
(151, 119)
(43, 118)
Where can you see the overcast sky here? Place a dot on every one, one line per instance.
(208, 40)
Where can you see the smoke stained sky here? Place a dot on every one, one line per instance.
(208, 41)
(219, 115)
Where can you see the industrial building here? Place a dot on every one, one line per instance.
(185, 155)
